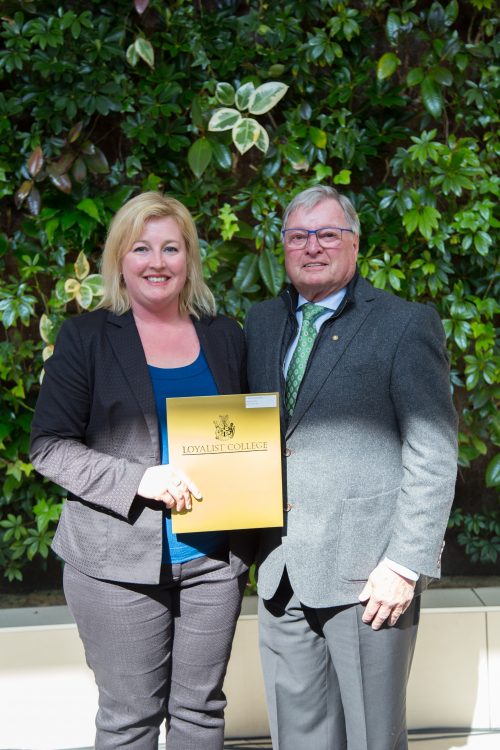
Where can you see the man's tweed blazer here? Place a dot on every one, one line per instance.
(95, 431)
(370, 449)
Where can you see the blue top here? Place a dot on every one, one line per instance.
(193, 380)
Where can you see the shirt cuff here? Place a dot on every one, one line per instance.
(397, 568)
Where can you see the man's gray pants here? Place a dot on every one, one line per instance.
(159, 652)
(333, 683)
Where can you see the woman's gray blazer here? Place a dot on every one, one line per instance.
(95, 431)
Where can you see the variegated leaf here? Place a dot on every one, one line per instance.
(246, 133)
(267, 96)
(245, 96)
(224, 93)
(82, 266)
(262, 142)
(224, 118)
(71, 287)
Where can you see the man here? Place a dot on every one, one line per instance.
(370, 451)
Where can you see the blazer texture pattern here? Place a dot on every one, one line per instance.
(371, 448)
(95, 431)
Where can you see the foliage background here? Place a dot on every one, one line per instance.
(392, 101)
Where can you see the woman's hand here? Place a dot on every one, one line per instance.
(168, 485)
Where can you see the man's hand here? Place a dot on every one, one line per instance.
(387, 595)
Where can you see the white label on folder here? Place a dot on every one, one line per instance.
(267, 401)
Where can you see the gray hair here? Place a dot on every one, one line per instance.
(314, 195)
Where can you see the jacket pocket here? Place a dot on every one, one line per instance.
(364, 533)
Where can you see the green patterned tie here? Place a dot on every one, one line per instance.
(298, 364)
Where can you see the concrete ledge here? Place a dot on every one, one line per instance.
(49, 698)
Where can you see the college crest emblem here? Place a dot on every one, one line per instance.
(224, 430)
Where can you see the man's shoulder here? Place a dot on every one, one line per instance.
(395, 305)
(269, 307)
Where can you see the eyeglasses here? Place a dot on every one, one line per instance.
(328, 237)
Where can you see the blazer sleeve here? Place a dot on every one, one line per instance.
(420, 390)
(59, 436)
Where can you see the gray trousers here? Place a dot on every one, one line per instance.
(332, 682)
(159, 652)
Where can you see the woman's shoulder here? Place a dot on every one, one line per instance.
(221, 324)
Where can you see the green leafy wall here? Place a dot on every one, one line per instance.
(393, 102)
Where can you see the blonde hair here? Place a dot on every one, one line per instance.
(125, 229)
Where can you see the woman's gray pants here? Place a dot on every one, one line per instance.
(159, 652)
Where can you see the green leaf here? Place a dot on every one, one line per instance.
(415, 76)
(318, 137)
(443, 76)
(482, 242)
(493, 472)
(247, 272)
(245, 96)
(75, 132)
(196, 112)
(199, 156)
(428, 220)
(81, 266)
(431, 96)
(224, 118)
(246, 133)
(267, 96)
(323, 172)
(451, 12)
(343, 177)
(88, 207)
(96, 161)
(392, 26)
(387, 65)
(145, 50)
(224, 93)
(436, 18)
(221, 154)
(271, 271)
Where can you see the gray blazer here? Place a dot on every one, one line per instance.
(370, 451)
(95, 431)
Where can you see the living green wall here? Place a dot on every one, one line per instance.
(392, 102)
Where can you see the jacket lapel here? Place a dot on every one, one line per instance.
(124, 339)
(331, 346)
(210, 346)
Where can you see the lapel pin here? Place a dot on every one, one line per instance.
(335, 338)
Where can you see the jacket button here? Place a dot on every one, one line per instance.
(288, 507)
(287, 452)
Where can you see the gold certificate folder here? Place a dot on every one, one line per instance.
(230, 447)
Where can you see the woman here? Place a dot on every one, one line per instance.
(156, 613)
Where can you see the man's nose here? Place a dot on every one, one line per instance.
(313, 245)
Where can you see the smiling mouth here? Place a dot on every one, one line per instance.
(314, 265)
(156, 279)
